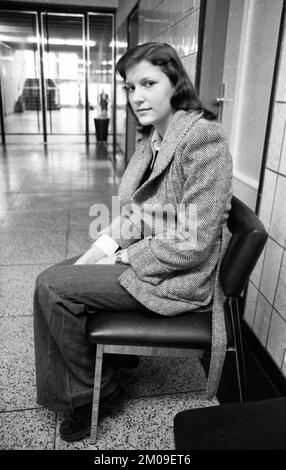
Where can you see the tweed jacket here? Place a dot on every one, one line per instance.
(172, 275)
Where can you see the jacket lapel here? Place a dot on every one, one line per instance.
(136, 168)
(130, 183)
(178, 126)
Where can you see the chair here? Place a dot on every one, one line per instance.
(154, 335)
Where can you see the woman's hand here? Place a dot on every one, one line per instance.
(121, 255)
(124, 256)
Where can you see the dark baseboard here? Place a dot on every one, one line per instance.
(269, 369)
(264, 379)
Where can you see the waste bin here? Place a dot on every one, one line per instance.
(101, 129)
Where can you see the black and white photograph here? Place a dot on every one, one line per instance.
(143, 229)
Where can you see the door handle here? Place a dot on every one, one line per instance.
(221, 99)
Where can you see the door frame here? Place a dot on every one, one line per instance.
(130, 122)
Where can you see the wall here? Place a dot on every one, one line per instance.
(255, 67)
(173, 22)
(266, 300)
(123, 10)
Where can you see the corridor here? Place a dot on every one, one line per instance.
(45, 196)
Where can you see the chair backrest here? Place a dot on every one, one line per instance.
(248, 239)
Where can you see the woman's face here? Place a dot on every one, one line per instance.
(149, 92)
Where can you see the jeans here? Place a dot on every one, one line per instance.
(65, 295)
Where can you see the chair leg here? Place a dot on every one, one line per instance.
(96, 392)
(239, 356)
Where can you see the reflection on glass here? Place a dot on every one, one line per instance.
(64, 69)
(19, 69)
(100, 66)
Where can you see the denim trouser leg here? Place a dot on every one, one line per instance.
(64, 296)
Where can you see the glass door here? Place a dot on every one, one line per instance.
(64, 76)
(20, 77)
(100, 74)
(56, 76)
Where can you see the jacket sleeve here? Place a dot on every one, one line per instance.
(206, 187)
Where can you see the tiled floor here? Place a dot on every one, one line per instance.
(45, 196)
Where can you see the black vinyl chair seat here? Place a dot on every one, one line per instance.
(140, 329)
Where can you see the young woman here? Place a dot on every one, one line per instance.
(182, 160)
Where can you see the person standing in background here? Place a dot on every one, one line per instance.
(103, 101)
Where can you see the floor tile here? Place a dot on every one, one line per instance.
(18, 383)
(3, 213)
(161, 375)
(86, 199)
(6, 199)
(99, 182)
(78, 242)
(139, 424)
(16, 289)
(8, 184)
(42, 201)
(20, 248)
(45, 187)
(27, 430)
(80, 219)
(30, 221)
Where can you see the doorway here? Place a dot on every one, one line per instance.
(53, 67)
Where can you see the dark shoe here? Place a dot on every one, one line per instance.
(77, 426)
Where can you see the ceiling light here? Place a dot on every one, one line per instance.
(62, 42)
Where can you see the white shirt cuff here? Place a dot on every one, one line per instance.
(106, 244)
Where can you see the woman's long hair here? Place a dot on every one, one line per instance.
(165, 56)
